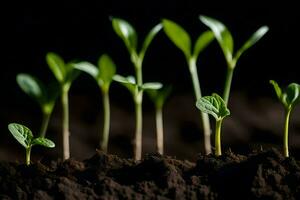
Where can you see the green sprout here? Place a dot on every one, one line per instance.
(159, 97)
(24, 136)
(289, 98)
(129, 36)
(225, 40)
(136, 91)
(183, 41)
(103, 74)
(65, 75)
(215, 106)
(44, 96)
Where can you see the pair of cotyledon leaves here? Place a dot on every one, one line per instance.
(219, 31)
(25, 137)
(288, 97)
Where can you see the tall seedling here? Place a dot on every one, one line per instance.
(183, 41)
(65, 75)
(129, 36)
(225, 40)
(103, 74)
(44, 96)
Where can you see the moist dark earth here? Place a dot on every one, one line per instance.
(259, 175)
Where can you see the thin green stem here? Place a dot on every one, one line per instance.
(159, 130)
(45, 122)
(138, 131)
(218, 151)
(106, 126)
(227, 84)
(65, 128)
(204, 116)
(28, 152)
(286, 133)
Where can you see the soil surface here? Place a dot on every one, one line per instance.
(260, 175)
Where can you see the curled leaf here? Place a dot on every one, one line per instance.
(21, 133)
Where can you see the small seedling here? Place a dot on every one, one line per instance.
(159, 97)
(225, 40)
(215, 106)
(44, 96)
(103, 74)
(129, 36)
(24, 136)
(136, 91)
(289, 98)
(183, 41)
(65, 75)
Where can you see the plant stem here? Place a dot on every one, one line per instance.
(227, 84)
(286, 133)
(159, 130)
(218, 151)
(45, 122)
(65, 128)
(28, 151)
(106, 109)
(204, 116)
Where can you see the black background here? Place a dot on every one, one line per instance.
(82, 30)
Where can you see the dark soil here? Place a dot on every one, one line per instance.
(260, 175)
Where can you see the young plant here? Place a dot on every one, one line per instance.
(215, 106)
(183, 41)
(65, 75)
(289, 98)
(24, 136)
(103, 74)
(44, 96)
(225, 40)
(129, 36)
(159, 97)
(136, 91)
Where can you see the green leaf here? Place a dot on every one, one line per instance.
(57, 66)
(43, 142)
(178, 36)
(222, 35)
(213, 105)
(202, 42)
(71, 75)
(277, 89)
(33, 87)
(159, 96)
(126, 32)
(151, 86)
(88, 68)
(107, 69)
(251, 41)
(129, 82)
(21, 133)
(149, 39)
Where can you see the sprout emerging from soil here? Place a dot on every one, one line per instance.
(289, 98)
(183, 41)
(159, 97)
(215, 106)
(65, 75)
(103, 74)
(225, 40)
(44, 96)
(136, 91)
(24, 136)
(129, 36)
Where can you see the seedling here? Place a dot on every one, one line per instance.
(103, 74)
(225, 40)
(136, 91)
(159, 97)
(289, 98)
(24, 136)
(215, 106)
(129, 36)
(183, 41)
(65, 75)
(44, 96)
